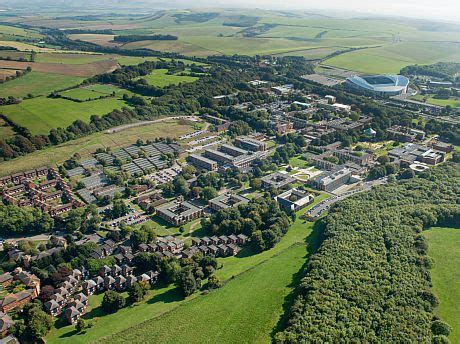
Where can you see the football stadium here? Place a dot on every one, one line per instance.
(379, 85)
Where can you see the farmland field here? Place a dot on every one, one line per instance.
(41, 114)
(391, 58)
(37, 83)
(4, 73)
(104, 40)
(88, 145)
(14, 55)
(82, 70)
(444, 248)
(66, 58)
(159, 78)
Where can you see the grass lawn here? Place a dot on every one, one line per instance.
(444, 248)
(37, 83)
(5, 130)
(159, 78)
(298, 161)
(41, 114)
(454, 102)
(87, 145)
(256, 297)
(266, 277)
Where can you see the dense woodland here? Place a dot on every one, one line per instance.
(444, 70)
(369, 281)
(261, 219)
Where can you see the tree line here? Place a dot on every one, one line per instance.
(370, 280)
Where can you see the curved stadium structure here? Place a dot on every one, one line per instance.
(379, 85)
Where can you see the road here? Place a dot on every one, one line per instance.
(318, 209)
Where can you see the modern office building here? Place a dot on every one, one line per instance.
(329, 181)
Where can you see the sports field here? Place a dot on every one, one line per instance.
(444, 248)
(441, 102)
(41, 114)
(160, 78)
(37, 83)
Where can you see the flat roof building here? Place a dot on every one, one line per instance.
(329, 181)
(226, 201)
(202, 162)
(251, 144)
(277, 180)
(179, 212)
(294, 199)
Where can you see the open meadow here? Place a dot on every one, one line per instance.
(42, 114)
(37, 83)
(444, 248)
(160, 78)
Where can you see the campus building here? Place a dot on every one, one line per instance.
(294, 199)
(179, 212)
(329, 181)
(226, 200)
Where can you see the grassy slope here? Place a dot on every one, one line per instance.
(41, 114)
(166, 299)
(87, 145)
(37, 83)
(255, 297)
(444, 248)
(159, 78)
(391, 58)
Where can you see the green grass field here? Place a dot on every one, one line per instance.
(37, 83)
(159, 78)
(391, 58)
(256, 297)
(444, 248)
(69, 58)
(5, 130)
(41, 114)
(261, 275)
(441, 102)
(87, 145)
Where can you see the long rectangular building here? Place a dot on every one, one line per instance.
(202, 162)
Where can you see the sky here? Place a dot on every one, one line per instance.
(433, 9)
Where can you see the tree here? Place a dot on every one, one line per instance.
(38, 322)
(407, 174)
(81, 325)
(256, 183)
(439, 327)
(383, 159)
(119, 208)
(186, 282)
(112, 301)
(214, 282)
(209, 193)
(136, 292)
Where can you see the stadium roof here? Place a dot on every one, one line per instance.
(380, 83)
